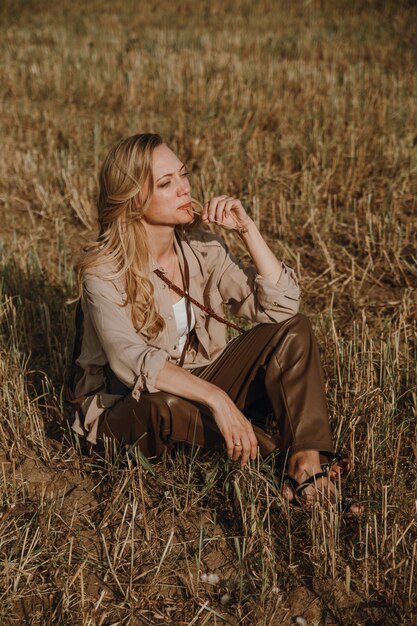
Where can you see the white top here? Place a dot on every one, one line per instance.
(180, 312)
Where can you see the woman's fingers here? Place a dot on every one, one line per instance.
(237, 451)
(212, 207)
(236, 429)
(253, 443)
(224, 208)
(229, 444)
(225, 211)
(228, 208)
(246, 450)
(220, 210)
(241, 449)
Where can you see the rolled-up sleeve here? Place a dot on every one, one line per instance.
(253, 297)
(284, 293)
(132, 359)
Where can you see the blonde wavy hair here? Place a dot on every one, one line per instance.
(122, 238)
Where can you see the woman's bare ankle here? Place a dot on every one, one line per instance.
(303, 463)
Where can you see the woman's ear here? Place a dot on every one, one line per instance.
(138, 202)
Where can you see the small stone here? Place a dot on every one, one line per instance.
(213, 579)
(300, 621)
(225, 599)
(203, 578)
(276, 590)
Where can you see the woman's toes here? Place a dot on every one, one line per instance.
(287, 492)
(356, 509)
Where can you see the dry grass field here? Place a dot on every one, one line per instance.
(306, 110)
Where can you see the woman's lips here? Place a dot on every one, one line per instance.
(185, 206)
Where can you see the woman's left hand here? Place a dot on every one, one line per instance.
(225, 211)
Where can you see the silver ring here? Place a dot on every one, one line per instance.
(237, 445)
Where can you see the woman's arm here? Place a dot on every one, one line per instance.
(233, 425)
(264, 291)
(266, 263)
(229, 213)
(132, 359)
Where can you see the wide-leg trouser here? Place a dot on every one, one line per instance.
(271, 370)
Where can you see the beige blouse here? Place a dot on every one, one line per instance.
(217, 277)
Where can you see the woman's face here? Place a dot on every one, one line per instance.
(171, 198)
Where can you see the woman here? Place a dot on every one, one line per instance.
(156, 367)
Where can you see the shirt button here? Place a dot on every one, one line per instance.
(164, 286)
(175, 347)
(170, 317)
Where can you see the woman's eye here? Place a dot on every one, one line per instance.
(168, 181)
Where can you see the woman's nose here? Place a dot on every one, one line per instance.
(184, 187)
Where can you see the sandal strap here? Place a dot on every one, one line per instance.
(294, 484)
(337, 458)
(299, 487)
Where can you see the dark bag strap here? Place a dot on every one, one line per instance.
(76, 351)
(204, 308)
(186, 280)
(189, 298)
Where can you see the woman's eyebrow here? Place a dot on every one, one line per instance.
(181, 168)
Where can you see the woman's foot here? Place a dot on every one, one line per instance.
(307, 483)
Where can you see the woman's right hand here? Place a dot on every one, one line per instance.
(234, 427)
